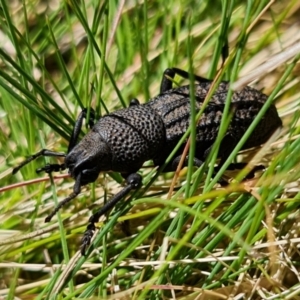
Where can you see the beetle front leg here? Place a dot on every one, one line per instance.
(76, 191)
(134, 181)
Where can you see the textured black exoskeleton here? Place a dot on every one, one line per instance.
(124, 139)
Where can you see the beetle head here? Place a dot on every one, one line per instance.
(88, 158)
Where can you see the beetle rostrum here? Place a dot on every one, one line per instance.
(124, 139)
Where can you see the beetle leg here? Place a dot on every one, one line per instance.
(169, 74)
(78, 126)
(43, 152)
(133, 182)
(227, 146)
(196, 162)
(225, 51)
(239, 166)
(134, 101)
(76, 191)
(186, 75)
(167, 80)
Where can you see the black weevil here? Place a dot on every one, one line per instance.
(124, 139)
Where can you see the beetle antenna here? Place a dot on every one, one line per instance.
(43, 152)
(76, 191)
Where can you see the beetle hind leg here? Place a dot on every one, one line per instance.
(196, 162)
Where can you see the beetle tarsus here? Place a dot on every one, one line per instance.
(87, 237)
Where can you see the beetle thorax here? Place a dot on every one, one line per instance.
(134, 136)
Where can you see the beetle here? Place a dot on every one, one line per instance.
(123, 140)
